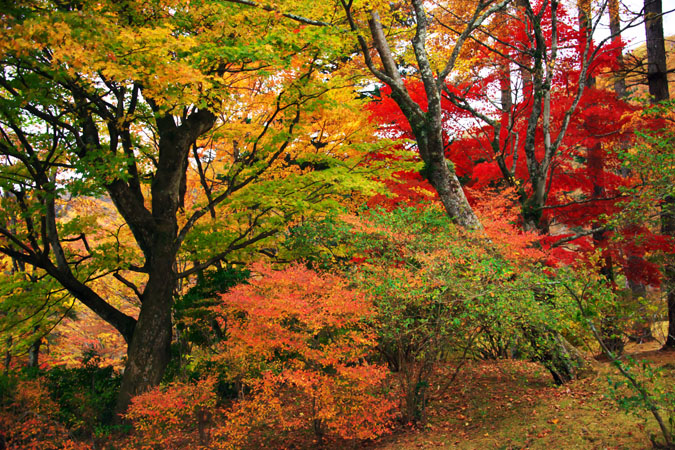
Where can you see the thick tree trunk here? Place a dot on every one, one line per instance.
(444, 179)
(557, 355)
(427, 126)
(149, 351)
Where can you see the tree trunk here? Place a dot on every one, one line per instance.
(610, 331)
(642, 327)
(8, 354)
(668, 228)
(657, 76)
(564, 361)
(637, 289)
(148, 353)
(427, 126)
(34, 353)
(615, 30)
(611, 334)
(444, 179)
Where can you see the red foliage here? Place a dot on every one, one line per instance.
(587, 183)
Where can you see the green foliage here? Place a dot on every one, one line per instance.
(194, 319)
(7, 387)
(196, 324)
(85, 395)
(641, 389)
(650, 160)
(440, 293)
(30, 306)
(657, 380)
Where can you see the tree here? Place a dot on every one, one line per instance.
(116, 101)
(425, 116)
(657, 70)
(548, 131)
(657, 77)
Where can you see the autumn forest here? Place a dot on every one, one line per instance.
(300, 224)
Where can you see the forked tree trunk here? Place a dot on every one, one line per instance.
(148, 353)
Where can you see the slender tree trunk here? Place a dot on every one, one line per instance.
(615, 30)
(657, 76)
(637, 289)
(642, 328)
(595, 163)
(34, 353)
(670, 275)
(611, 333)
(668, 229)
(8, 354)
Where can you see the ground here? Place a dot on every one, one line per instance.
(514, 405)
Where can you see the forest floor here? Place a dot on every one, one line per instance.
(514, 405)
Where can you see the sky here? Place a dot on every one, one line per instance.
(636, 35)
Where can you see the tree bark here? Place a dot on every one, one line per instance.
(442, 175)
(34, 353)
(595, 165)
(657, 72)
(148, 353)
(615, 30)
(668, 229)
(637, 289)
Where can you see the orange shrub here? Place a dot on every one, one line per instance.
(174, 416)
(26, 420)
(296, 340)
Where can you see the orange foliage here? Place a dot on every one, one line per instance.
(297, 340)
(296, 347)
(500, 214)
(173, 416)
(26, 423)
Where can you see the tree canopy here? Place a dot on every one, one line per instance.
(303, 214)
